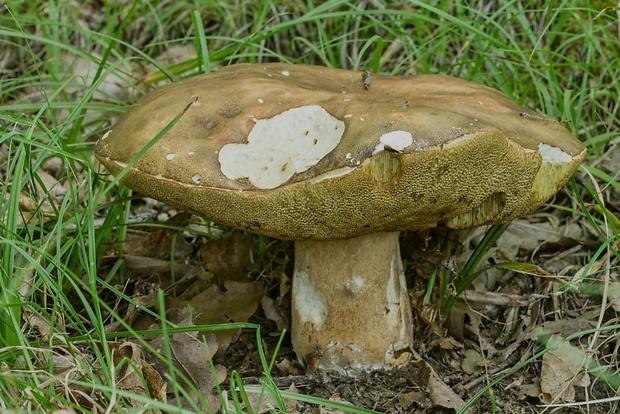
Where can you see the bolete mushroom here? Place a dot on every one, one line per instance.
(340, 165)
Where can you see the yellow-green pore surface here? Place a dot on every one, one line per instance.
(305, 152)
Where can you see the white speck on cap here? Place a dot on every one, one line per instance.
(285, 72)
(282, 146)
(358, 281)
(398, 140)
(106, 134)
(553, 154)
(170, 157)
(260, 100)
(196, 178)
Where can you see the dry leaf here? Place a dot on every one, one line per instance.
(336, 398)
(473, 361)
(562, 370)
(566, 327)
(154, 382)
(440, 393)
(40, 323)
(213, 306)
(528, 390)
(408, 399)
(228, 258)
(190, 355)
(133, 381)
(272, 313)
(291, 403)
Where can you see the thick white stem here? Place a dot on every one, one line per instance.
(350, 309)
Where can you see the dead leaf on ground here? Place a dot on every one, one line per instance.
(565, 327)
(407, 400)
(146, 382)
(50, 194)
(562, 370)
(229, 258)
(472, 362)
(41, 324)
(192, 357)
(214, 306)
(440, 393)
(274, 314)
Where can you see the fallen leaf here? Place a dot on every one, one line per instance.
(131, 366)
(228, 258)
(562, 370)
(440, 394)
(406, 400)
(191, 356)
(40, 323)
(473, 361)
(291, 403)
(154, 382)
(214, 306)
(272, 313)
(528, 390)
(566, 327)
(335, 398)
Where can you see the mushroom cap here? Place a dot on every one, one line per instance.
(307, 152)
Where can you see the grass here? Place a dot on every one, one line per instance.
(58, 292)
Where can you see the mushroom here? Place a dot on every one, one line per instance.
(310, 154)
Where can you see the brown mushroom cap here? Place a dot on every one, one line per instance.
(306, 152)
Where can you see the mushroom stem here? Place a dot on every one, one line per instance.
(350, 307)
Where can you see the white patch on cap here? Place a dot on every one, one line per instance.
(285, 72)
(398, 140)
(420, 145)
(196, 178)
(553, 154)
(310, 303)
(106, 134)
(260, 100)
(170, 157)
(554, 171)
(282, 146)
